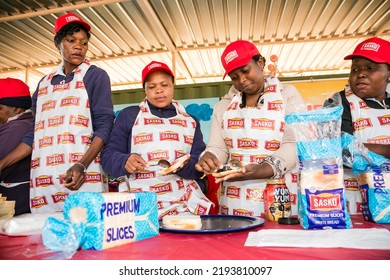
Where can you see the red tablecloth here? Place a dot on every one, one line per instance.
(179, 246)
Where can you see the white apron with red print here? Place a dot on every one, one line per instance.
(63, 131)
(370, 126)
(158, 138)
(252, 134)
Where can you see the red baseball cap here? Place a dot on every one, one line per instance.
(69, 18)
(237, 54)
(375, 49)
(15, 93)
(153, 67)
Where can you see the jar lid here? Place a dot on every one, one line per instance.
(277, 181)
(288, 221)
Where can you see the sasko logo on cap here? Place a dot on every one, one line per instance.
(154, 65)
(72, 18)
(370, 47)
(230, 56)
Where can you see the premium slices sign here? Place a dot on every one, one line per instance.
(121, 212)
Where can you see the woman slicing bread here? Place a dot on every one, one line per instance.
(248, 125)
(158, 129)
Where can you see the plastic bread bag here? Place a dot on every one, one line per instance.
(98, 221)
(373, 176)
(63, 236)
(25, 224)
(321, 195)
(374, 185)
(357, 156)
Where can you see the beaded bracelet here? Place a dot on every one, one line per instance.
(276, 165)
(85, 169)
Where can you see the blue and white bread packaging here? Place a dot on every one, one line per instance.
(374, 185)
(321, 194)
(373, 177)
(98, 221)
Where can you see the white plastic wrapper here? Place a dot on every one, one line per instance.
(25, 224)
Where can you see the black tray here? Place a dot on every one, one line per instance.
(220, 223)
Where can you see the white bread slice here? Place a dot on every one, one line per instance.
(182, 222)
(175, 165)
(225, 173)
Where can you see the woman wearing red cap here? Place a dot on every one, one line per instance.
(16, 120)
(248, 125)
(366, 105)
(73, 118)
(158, 129)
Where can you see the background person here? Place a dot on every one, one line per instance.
(73, 118)
(366, 105)
(248, 125)
(16, 120)
(159, 128)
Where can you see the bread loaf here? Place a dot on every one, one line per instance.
(102, 220)
(190, 222)
(319, 180)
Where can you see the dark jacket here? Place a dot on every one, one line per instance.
(347, 124)
(11, 134)
(118, 149)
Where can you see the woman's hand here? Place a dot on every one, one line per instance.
(177, 165)
(208, 163)
(135, 163)
(251, 171)
(74, 177)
